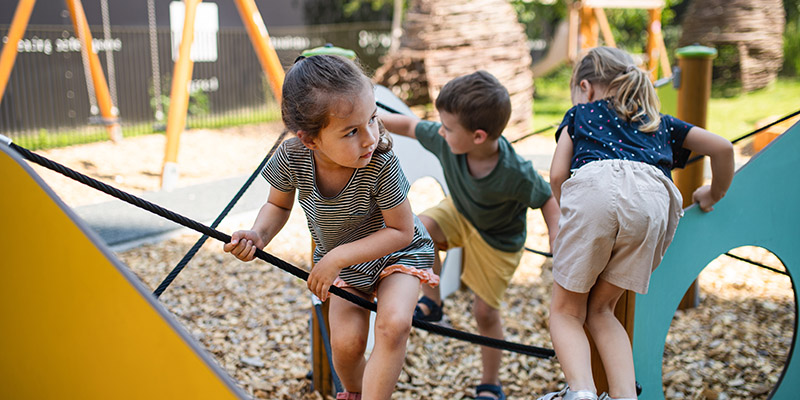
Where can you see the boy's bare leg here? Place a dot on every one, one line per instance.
(440, 242)
(490, 324)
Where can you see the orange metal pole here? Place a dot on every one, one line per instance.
(653, 42)
(179, 97)
(15, 32)
(260, 39)
(98, 78)
(589, 29)
(572, 37)
(605, 28)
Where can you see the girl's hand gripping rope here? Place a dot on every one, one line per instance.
(243, 245)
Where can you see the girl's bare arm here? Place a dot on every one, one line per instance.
(270, 220)
(720, 150)
(560, 166)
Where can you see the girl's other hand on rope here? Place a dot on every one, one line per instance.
(243, 245)
(322, 276)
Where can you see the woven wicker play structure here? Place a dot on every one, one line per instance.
(753, 27)
(444, 39)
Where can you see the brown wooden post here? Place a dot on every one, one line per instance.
(624, 313)
(693, 94)
(322, 376)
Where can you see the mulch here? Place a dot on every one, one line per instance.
(253, 318)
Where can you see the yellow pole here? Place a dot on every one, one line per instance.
(264, 50)
(693, 94)
(15, 32)
(99, 80)
(179, 97)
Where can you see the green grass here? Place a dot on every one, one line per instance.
(735, 116)
(730, 117)
(45, 139)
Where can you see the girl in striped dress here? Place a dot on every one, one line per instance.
(353, 192)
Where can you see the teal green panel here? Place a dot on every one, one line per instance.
(760, 209)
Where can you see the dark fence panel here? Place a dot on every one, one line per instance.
(48, 102)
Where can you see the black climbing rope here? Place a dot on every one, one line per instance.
(298, 272)
(197, 245)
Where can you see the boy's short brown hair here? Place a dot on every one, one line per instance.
(479, 101)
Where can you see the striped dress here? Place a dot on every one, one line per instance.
(354, 213)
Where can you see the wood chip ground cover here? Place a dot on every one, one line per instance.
(253, 318)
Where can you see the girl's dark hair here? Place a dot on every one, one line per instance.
(313, 85)
(635, 98)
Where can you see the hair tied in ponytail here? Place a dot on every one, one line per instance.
(630, 68)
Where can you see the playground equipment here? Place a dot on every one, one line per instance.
(72, 258)
(96, 82)
(79, 320)
(587, 20)
(179, 95)
(766, 217)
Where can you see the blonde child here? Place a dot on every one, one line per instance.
(353, 193)
(491, 190)
(619, 211)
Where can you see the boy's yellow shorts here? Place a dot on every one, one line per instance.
(485, 270)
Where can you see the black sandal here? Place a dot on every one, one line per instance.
(496, 390)
(435, 310)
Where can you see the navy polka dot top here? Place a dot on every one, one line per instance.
(598, 134)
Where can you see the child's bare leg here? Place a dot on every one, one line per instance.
(349, 330)
(396, 300)
(611, 339)
(490, 324)
(440, 243)
(567, 316)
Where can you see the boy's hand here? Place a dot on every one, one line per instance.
(322, 276)
(243, 245)
(703, 197)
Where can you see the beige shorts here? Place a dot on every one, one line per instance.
(617, 219)
(485, 270)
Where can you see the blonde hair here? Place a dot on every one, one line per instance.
(634, 97)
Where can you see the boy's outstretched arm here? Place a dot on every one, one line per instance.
(720, 150)
(400, 124)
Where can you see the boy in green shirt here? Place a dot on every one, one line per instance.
(491, 188)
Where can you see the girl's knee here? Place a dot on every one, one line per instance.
(392, 328)
(349, 347)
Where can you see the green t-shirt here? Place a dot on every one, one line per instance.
(496, 204)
